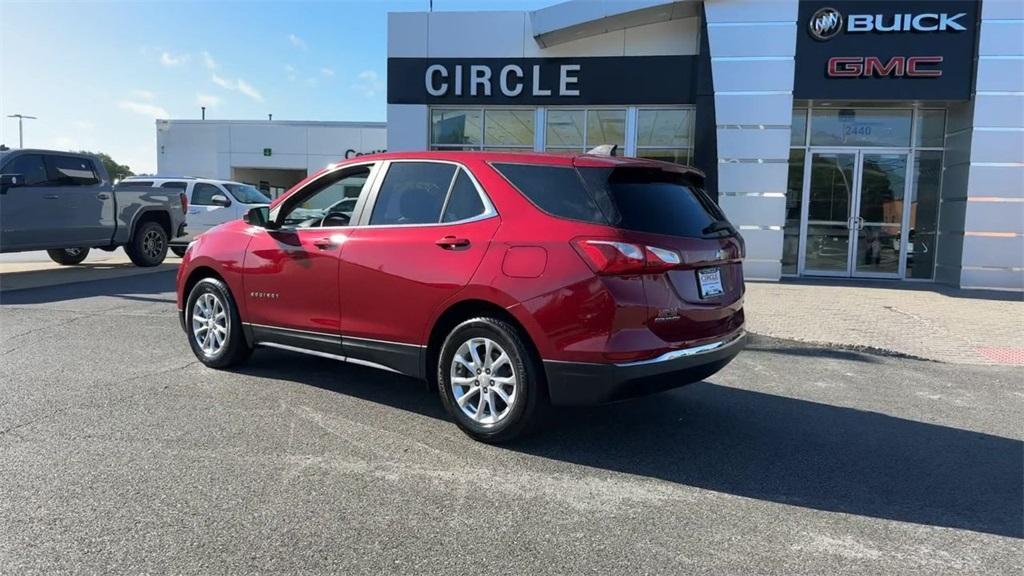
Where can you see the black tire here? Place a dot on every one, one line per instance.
(148, 246)
(235, 349)
(530, 401)
(68, 256)
(179, 251)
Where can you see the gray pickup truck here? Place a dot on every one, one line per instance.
(65, 203)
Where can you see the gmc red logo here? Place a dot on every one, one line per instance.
(872, 67)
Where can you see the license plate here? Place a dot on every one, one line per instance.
(710, 282)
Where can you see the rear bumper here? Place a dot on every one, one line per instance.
(581, 383)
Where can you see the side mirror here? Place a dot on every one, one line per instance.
(220, 200)
(259, 216)
(10, 181)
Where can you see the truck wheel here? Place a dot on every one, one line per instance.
(179, 251)
(148, 246)
(213, 325)
(490, 381)
(68, 256)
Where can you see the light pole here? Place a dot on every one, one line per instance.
(21, 137)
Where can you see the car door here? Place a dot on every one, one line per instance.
(291, 273)
(24, 209)
(84, 206)
(203, 214)
(420, 240)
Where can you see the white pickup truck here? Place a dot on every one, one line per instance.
(210, 202)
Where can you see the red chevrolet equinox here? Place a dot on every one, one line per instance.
(508, 281)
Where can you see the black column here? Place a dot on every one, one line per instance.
(705, 155)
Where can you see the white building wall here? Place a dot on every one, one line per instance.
(508, 35)
(993, 208)
(753, 45)
(212, 148)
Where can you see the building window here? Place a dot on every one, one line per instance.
(482, 129)
(665, 134)
(580, 130)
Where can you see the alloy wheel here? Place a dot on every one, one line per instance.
(210, 324)
(152, 244)
(483, 380)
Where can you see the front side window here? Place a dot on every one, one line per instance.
(71, 171)
(247, 194)
(330, 201)
(31, 168)
(412, 193)
(203, 193)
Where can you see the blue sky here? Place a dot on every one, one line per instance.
(97, 74)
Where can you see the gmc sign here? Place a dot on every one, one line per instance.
(865, 50)
(896, 67)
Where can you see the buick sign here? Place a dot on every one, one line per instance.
(870, 50)
(826, 23)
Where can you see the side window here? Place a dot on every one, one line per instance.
(328, 202)
(138, 183)
(175, 185)
(30, 166)
(464, 201)
(203, 193)
(71, 171)
(556, 190)
(412, 193)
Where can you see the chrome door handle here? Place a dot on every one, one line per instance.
(103, 196)
(323, 243)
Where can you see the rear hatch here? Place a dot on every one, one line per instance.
(693, 275)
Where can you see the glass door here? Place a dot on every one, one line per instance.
(854, 214)
(878, 223)
(829, 187)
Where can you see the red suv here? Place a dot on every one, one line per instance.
(507, 280)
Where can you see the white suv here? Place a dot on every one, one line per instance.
(210, 202)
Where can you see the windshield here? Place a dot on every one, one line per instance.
(247, 194)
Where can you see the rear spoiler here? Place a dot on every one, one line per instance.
(693, 175)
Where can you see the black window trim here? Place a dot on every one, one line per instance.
(489, 210)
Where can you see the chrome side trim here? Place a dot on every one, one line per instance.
(328, 356)
(344, 337)
(687, 352)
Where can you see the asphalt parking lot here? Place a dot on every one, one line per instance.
(119, 453)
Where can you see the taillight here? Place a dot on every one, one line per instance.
(611, 257)
(184, 203)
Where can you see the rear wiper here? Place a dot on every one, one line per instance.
(718, 226)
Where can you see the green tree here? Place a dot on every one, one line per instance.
(115, 170)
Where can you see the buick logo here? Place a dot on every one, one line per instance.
(825, 23)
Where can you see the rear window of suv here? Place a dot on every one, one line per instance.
(632, 198)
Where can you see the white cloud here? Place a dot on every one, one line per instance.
(83, 125)
(143, 94)
(327, 72)
(144, 108)
(291, 72)
(297, 42)
(208, 61)
(369, 83)
(173, 60)
(208, 100)
(238, 85)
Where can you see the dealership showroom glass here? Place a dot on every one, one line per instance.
(851, 139)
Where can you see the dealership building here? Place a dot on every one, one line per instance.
(845, 138)
(271, 155)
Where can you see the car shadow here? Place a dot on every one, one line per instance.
(141, 287)
(750, 444)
